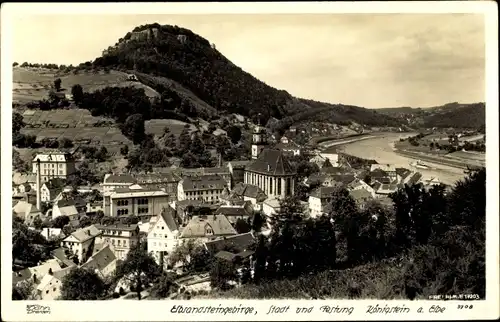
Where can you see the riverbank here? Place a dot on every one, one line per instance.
(428, 158)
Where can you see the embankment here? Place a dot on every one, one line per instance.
(436, 160)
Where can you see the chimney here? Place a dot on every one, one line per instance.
(38, 185)
(220, 160)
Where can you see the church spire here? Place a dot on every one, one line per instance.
(258, 139)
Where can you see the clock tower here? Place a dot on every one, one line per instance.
(258, 140)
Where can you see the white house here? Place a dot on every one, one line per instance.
(49, 288)
(134, 200)
(163, 235)
(52, 233)
(55, 164)
(114, 181)
(270, 207)
(65, 208)
(207, 188)
(50, 190)
(319, 201)
(122, 237)
(81, 241)
(205, 228)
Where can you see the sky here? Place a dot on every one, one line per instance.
(369, 60)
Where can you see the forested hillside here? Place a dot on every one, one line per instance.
(170, 54)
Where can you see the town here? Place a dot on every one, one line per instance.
(136, 180)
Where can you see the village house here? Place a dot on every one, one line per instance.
(103, 263)
(25, 179)
(359, 184)
(36, 273)
(319, 201)
(135, 200)
(237, 171)
(122, 237)
(236, 243)
(288, 146)
(27, 212)
(81, 242)
(269, 170)
(205, 228)
(235, 212)
(248, 192)
(51, 189)
(385, 189)
(52, 233)
(54, 164)
(163, 235)
(68, 207)
(207, 188)
(388, 170)
(49, 288)
(361, 197)
(270, 207)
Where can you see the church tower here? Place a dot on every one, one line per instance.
(258, 140)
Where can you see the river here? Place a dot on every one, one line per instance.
(380, 148)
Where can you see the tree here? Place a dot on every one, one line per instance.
(241, 226)
(164, 286)
(77, 93)
(258, 221)
(61, 221)
(234, 133)
(134, 128)
(37, 223)
(138, 269)
(57, 84)
(65, 143)
(82, 284)
(24, 291)
(222, 273)
(17, 122)
(15, 64)
(124, 150)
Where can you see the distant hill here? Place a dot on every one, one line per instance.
(174, 57)
(449, 115)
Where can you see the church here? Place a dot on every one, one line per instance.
(269, 169)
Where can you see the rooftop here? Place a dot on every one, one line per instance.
(271, 162)
(86, 233)
(118, 226)
(197, 226)
(204, 182)
(250, 191)
(238, 243)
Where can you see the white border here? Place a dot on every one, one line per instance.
(157, 311)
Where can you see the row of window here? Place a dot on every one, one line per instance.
(196, 193)
(143, 210)
(142, 201)
(122, 212)
(50, 165)
(48, 172)
(120, 203)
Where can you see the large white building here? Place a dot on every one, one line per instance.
(134, 200)
(54, 164)
(121, 237)
(269, 170)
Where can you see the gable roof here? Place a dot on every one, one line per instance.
(203, 182)
(39, 271)
(118, 226)
(60, 255)
(86, 233)
(157, 178)
(323, 192)
(232, 211)
(360, 194)
(239, 243)
(196, 227)
(24, 208)
(415, 178)
(60, 274)
(101, 259)
(271, 162)
(250, 191)
(167, 214)
(119, 178)
(403, 172)
(238, 164)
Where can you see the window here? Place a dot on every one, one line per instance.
(54, 289)
(162, 227)
(154, 235)
(47, 292)
(113, 241)
(119, 242)
(142, 201)
(125, 243)
(60, 172)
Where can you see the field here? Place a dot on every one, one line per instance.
(156, 126)
(31, 84)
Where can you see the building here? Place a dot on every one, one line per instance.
(248, 192)
(361, 197)
(54, 164)
(270, 207)
(205, 228)
(122, 237)
(50, 286)
(68, 207)
(135, 200)
(35, 273)
(387, 169)
(52, 233)
(163, 235)
(81, 242)
(51, 189)
(319, 201)
(288, 146)
(165, 181)
(27, 212)
(114, 181)
(233, 212)
(103, 262)
(269, 170)
(237, 243)
(237, 171)
(207, 188)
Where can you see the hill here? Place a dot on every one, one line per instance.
(30, 84)
(454, 115)
(176, 58)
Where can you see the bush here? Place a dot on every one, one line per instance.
(116, 295)
(122, 291)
